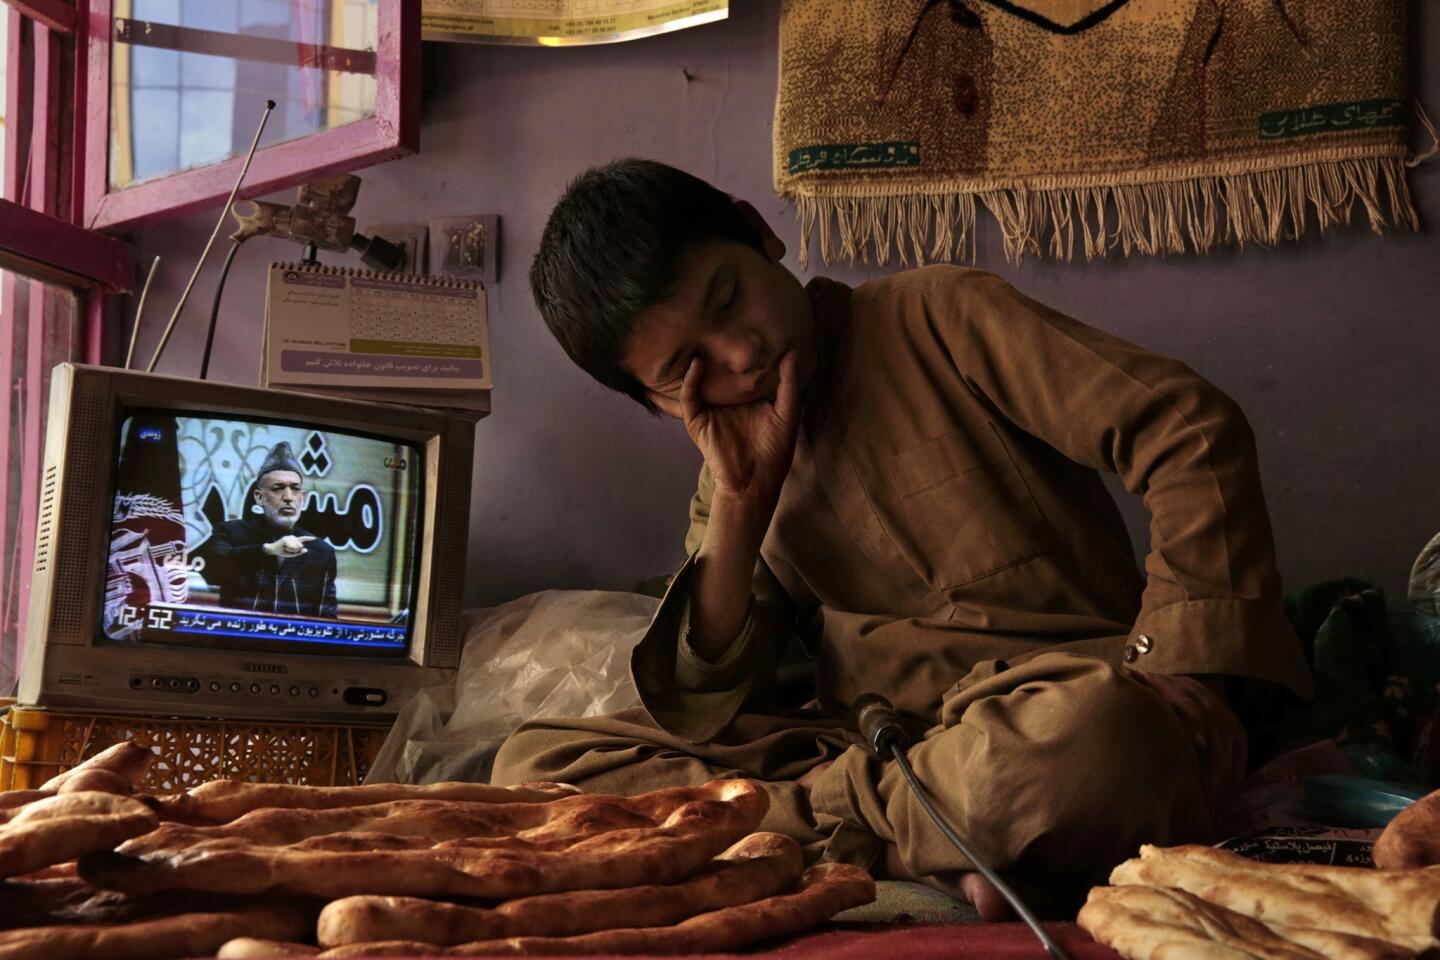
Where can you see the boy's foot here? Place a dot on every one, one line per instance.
(968, 886)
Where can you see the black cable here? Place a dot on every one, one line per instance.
(881, 727)
(215, 308)
(1003, 888)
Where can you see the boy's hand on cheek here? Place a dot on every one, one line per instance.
(748, 446)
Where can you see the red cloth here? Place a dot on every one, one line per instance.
(929, 941)
(939, 941)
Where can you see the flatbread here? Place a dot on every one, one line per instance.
(182, 935)
(56, 901)
(10, 800)
(823, 891)
(1160, 923)
(29, 903)
(557, 823)
(253, 948)
(221, 801)
(127, 760)
(658, 837)
(1412, 839)
(62, 828)
(1398, 906)
(761, 865)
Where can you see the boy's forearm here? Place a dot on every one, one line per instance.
(724, 572)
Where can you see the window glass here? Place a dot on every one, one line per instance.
(189, 78)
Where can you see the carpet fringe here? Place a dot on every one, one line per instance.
(1192, 214)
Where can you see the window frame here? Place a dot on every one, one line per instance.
(39, 239)
(394, 131)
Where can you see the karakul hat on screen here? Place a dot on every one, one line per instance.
(281, 457)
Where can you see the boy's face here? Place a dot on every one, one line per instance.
(736, 309)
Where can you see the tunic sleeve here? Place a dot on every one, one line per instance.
(1211, 603)
(228, 559)
(690, 697)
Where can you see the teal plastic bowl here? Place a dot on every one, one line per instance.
(1345, 801)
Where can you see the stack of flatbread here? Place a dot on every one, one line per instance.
(247, 869)
(1198, 902)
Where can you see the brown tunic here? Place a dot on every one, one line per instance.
(944, 509)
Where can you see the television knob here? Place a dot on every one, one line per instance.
(254, 688)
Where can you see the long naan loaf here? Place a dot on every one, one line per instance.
(221, 801)
(54, 902)
(660, 837)
(128, 761)
(29, 903)
(823, 891)
(64, 827)
(529, 825)
(761, 865)
(12, 800)
(258, 948)
(117, 769)
(1157, 923)
(181, 935)
(1396, 906)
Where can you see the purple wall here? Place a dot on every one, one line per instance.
(1330, 345)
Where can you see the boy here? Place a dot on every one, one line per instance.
(903, 477)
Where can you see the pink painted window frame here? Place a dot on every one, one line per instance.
(394, 131)
(41, 238)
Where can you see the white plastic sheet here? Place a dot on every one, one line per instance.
(559, 653)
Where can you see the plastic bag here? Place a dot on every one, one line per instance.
(558, 653)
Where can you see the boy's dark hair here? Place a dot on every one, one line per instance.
(612, 247)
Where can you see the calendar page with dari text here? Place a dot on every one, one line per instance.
(359, 328)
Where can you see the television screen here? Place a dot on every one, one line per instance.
(260, 535)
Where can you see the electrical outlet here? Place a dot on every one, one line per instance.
(466, 247)
(409, 236)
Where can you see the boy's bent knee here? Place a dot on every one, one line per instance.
(530, 753)
(1067, 775)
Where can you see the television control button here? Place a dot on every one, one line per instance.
(214, 686)
(235, 688)
(314, 691)
(156, 682)
(192, 684)
(274, 689)
(174, 683)
(366, 696)
(137, 682)
(254, 688)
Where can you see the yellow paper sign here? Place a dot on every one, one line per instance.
(558, 23)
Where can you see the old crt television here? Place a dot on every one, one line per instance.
(162, 583)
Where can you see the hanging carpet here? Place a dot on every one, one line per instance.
(1154, 126)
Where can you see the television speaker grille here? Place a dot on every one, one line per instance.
(68, 602)
(45, 526)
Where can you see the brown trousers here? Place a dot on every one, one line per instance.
(1053, 771)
